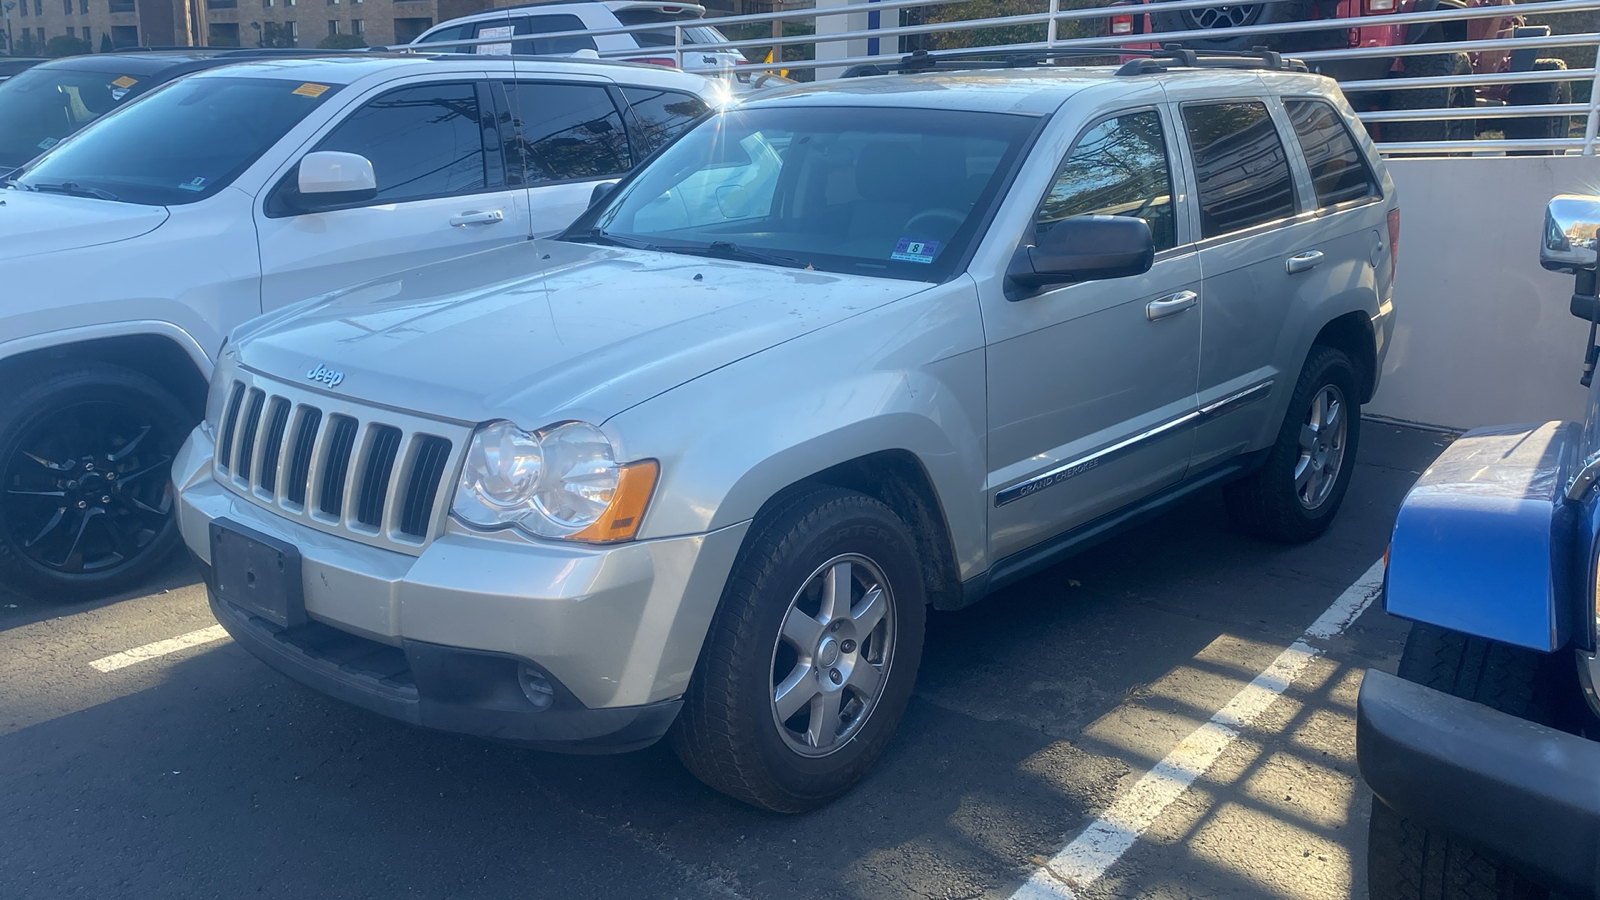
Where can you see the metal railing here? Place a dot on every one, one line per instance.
(1118, 46)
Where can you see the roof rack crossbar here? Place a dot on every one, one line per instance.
(1177, 55)
(923, 61)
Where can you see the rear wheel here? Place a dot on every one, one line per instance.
(85, 480)
(1406, 861)
(1219, 21)
(1438, 65)
(811, 656)
(1540, 93)
(1296, 493)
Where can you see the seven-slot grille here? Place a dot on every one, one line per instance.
(320, 460)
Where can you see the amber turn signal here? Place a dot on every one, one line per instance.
(620, 522)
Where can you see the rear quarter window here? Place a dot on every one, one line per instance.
(1339, 170)
(1241, 167)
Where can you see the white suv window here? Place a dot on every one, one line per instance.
(423, 141)
(565, 132)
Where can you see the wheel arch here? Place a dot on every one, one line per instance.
(1352, 334)
(168, 355)
(898, 479)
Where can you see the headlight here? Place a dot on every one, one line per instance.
(561, 482)
(217, 394)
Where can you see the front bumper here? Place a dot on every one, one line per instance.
(446, 639)
(1527, 793)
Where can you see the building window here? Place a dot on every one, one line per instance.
(41, 32)
(409, 29)
(68, 5)
(122, 6)
(294, 33)
(83, 7)
(24, 7)
(86, 38)
(266, 4)
(222, 4)
(124, 36)
(223, 34)
(38, 7)
(333, 26)
(355, 27)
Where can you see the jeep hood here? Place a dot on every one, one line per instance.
(545, 330)
(32, 223)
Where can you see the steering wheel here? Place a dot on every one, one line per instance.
(919, 225)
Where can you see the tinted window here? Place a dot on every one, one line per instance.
(1119, 168)
(182, 143)
(1240, 166)
(423, 141)
(659, 116)
(536, 25)
(1338, 169)
(692, 33)
(41, 106)
(565, 131)
(452, 33)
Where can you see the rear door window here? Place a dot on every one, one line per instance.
(423, 141)
(537, 25)
(659, 116)
(1339, 170)
(1241, 168)
(564, 132)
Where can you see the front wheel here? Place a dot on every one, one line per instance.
(1407, 861)
(811, 656)
(1296, 493)
(85, 480)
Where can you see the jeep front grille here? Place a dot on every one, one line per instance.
(370, 474)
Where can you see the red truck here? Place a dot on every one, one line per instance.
(1368, 28)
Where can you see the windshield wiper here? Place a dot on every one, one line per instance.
(74, 189)
(600, 236)
(730, 250)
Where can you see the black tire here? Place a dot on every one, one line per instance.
(99, 435)
(1267, 503)
(1220, 19)
(728, 733)
(1540, 93)
(1438, 65)
(1406, 861)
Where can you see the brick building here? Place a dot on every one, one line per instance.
(127, 23)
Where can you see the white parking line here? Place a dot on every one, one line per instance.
(160, 648)
(1082, 862)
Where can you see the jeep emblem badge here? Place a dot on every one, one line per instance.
(325, 375)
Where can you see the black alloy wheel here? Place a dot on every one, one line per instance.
(86, 499)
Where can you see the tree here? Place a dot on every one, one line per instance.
(66, 45)
(26, 46)
(342, 42)
(105, 43)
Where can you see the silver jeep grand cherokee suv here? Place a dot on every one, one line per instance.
(698, 467)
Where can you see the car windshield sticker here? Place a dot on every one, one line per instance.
(118, 93)
(310, 90)
(49, 142)
(125, 82)
(915, 251)
(197, 183)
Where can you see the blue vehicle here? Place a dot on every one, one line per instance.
(1484, 753)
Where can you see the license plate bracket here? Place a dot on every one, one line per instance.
(257, 572)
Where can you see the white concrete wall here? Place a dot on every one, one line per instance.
(1482, 333)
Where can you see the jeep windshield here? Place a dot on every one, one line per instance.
(180, 144)
(897, 193)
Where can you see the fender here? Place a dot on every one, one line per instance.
(77, 335)
(1482, 544)
(1427, 32)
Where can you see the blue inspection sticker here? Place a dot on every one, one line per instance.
(197, 183)
(916, 251)
(49, 142)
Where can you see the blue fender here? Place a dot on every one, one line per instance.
(1484, 543)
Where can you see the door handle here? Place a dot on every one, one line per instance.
(1303, 262)
(1170, 305)
(478, 218)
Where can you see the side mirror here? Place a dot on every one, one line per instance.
(1086, 248)
(330, 178)
(1571, 229)
(600, 192)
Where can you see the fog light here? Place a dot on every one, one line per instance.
(536, 688)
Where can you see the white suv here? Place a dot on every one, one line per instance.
(129, 250)
(549, 28)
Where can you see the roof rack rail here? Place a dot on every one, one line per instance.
(1176, 55)
(923, 61)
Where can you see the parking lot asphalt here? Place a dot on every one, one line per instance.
(201, 773)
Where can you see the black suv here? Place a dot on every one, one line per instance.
(44, 104)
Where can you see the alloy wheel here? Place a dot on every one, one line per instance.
(1225, 16)
(832, 657)
(86, 488)
(1322, 442)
